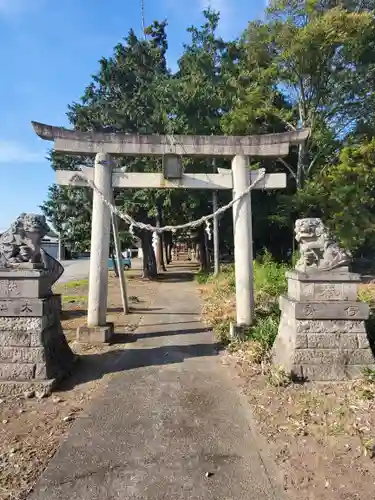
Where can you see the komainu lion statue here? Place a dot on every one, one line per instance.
(21, 244)
(318, 250)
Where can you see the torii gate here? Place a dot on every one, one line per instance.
(105, 145)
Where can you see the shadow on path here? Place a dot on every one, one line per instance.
(162, 325)
(95, 366)
(125, 338)
(172, 277)
(78, 313)
(165, 312)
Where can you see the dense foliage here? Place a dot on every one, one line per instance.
(220, 302)
(308, 63)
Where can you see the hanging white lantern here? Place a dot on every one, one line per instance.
(155, 241)
(208, 230)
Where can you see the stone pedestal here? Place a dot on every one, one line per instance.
(95, 334)
(34, 353)
(322, 333)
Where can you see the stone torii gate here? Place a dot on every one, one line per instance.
(105, 178)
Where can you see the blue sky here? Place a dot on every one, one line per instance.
(48, 51)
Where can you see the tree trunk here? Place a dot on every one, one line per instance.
(202, 250)
(302, 148)
(167, 240)
(160, 256)
(165, 249)
(301, 165)
(149, 261)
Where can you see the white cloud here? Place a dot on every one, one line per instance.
(13, 153)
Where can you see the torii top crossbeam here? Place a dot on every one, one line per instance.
(118, 144)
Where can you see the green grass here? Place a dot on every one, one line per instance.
(67, 299)
(202, 277)
(76, 284)
(367, 294)
(369, 375)
(269, 278)
(269, 284)
(265, 330)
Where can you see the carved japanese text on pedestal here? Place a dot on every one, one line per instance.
(329, 326)
(9, 288)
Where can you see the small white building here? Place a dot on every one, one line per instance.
(50, 243)
(138, 247)
(51, 246)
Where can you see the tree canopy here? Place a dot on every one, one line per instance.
(307, 63)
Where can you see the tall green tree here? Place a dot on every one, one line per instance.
(201, 97)
(258, 106)
(69, 208)
(315, 52)
(128, 94)
(307, 56)
(343, 194)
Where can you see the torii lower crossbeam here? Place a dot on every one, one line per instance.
(157, 181)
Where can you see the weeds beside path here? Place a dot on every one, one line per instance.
(220, 307)
(321, 435)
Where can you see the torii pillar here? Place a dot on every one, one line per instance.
(100, 240)
(243, 243)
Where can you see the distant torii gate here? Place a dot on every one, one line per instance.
(105, 145)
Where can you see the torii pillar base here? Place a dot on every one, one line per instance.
(95, 334)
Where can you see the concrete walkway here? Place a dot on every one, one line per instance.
(170, 415)
(77, 269)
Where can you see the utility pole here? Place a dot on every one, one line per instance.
(143, 19)
(60, 249)
(215, 228)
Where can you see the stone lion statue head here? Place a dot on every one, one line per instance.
(21, 243)
(318, 248)
(310, 228)
(35, 223)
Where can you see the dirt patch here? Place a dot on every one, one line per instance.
(31, 429)
(321, 436)
(74, 298)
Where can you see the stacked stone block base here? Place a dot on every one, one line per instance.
(322, 333)
(34, 353)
